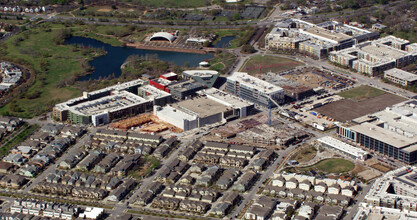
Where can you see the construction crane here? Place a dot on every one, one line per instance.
(268, 66)
(269, 112)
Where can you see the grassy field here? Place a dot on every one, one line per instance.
(305, 155)
(361, 92)
(271, 63)
(222, 62)
(334, 165)
(53, 64)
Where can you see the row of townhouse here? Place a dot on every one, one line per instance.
(83, 179)
(146, 197)
(307, 183)
(172, 172)
(44, 209)
(300, 194)
(98, 162)
(32, 156)
(8, 125)
(68, 190)
(193, 193)
(225, 204)
(189, 152)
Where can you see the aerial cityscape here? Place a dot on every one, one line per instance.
(208, 109)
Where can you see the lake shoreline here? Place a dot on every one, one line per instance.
(111, 62)
(181, 50)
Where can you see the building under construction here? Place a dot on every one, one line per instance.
(280, 135)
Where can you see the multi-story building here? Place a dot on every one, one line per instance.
(344, 148)
(254, 90)
(184, 89)
(241, 108)
(103, 106)
(158, 96)
(374, 57)
(210, 107)
(391, 132)
(316, 40)
(204, 77)
(395, 189)
(400, 77)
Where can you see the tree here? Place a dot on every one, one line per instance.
(247, 48)
(236, 16)
(61, 35)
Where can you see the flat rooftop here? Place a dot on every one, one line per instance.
(152, 92)
(201, 73)
(382, 51)
(347, 148)
(201, 106)
(117, 101)
(173, 113)
(119, 86)
(170, 74)
(401, 74)
(324, 33)
(162, 81)
(225, 98)
(185, 85)
(384, 135)
(255, 83)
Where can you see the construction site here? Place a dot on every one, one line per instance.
(257, 131)
(315, 78)
(147, 123)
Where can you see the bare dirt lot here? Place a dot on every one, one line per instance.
(347, 109)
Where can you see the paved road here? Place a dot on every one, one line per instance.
(351, 211)
(247, 197)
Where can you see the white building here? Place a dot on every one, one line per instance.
(344, 148)
(254, 90)
(400, 77)
(241, 107)
(396, 189)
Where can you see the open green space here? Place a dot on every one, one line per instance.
(222, 62)
(28, 130)
(334, 165)
(361, 92)
(269, 64)
(147, 165)
(56, 67)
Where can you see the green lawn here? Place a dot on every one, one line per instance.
(270, 63)
(54, 66)
(334, 165)
(361, 92)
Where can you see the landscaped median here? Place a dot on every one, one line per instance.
(27, 130)
(132, 211)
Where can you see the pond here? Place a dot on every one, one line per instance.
(224, 42)
(110, 63)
